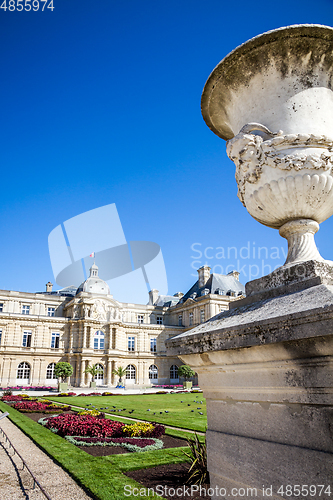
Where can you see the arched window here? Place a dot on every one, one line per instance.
(99, 340)
(153, 372)
(50, 371)
(174, 372)
(100, 375)
(130, 372)
(23, 370)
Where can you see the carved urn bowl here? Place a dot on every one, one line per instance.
(272, 100)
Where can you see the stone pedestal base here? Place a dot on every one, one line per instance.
(266, 369)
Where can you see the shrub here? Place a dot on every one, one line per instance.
(7, 392)
(63, 370)
(186, 372)
(109, 394)
(66, 394)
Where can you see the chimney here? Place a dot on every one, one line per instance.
(235, 274)
(153, 296)
(204, 275)
(49, 286)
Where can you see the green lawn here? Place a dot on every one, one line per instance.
(184, 414)
(103, 476)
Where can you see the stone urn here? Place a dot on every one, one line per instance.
(272, 100)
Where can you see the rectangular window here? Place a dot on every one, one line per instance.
(99, 340)
(159, 320)
(202, 315)
(140, 318)
(191, 319)
(55, 340)
(1, 308)
(25, 309)
(50, 311)
(26, 339)
(152, 345)
(131, 344)
(0, 336)
(180, 320)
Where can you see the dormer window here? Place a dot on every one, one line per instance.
(205, 291)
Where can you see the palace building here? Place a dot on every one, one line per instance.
(88, 326)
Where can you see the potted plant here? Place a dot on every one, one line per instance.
(186, 372)
(63, 370)
(93, 371)
(120, 372)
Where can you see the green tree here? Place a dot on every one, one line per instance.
(186, 372)
(93, 371)
(120, 372)
(63, 370)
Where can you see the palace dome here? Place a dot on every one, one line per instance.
(94, 284)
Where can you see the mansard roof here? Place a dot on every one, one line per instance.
(227, 284)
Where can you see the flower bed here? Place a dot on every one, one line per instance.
(37, 407)
(84, 425)
(146, 429)
(11, 399)
(131, 444)
(91, 394)
(64, 394)
(87, 430)
(99, 426)
(27, 388)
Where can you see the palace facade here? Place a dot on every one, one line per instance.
(88, 326)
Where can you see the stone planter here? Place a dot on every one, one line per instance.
(62, 386)
(187, 384)
(93, 385)
(271, 98)
(265, 365)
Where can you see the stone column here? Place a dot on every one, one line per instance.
(113, 376)
(109, 372)
(82, 368)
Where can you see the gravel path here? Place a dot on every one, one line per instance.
(15, 481)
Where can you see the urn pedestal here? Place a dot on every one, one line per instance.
(266, 365)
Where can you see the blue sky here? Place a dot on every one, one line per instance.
(100, 103)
